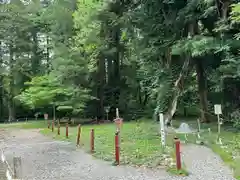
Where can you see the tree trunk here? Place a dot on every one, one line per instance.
(11, 108)
(11, 111)
(1, 85)
(102, 77)
(185, 111)
(115, 44)
(117, 66)
(48, 54)
(192, 29)
(177, 92)
(54, 112)
(35, 57)
(225, 8)
(202, 90)
(100, 86)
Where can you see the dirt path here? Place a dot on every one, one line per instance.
(46, 159)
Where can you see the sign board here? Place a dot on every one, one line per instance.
(46, 116)
(107, 109)
(217, 109)
(118, 122)
(162, 129)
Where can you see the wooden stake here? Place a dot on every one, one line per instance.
(67, 130)
(178, 154)
(52, 125)
(79, 135)
(92, 140)
(58, 128)
(117, 149)
(17, 168)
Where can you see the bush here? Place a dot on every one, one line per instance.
(235, 118)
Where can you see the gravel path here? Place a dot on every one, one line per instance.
(45, 159)
(206, 163)
(3, 166)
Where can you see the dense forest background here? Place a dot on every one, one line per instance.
(179, 57)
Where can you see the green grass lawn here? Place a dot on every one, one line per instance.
(25, 125)
(140, 142)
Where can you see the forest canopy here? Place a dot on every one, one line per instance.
(144, 56)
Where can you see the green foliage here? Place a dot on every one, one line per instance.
(197, 46)
(42, 90)
(235, 118)
(126, 54)
(235, 12)
(45, 90)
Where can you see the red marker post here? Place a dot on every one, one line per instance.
(178, 154)
(58, 128)
(66, 130)
(79, 135)
(52, 125)
(92, 140)
(117, 149)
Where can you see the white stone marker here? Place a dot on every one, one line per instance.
(218, 111)
(162, 129)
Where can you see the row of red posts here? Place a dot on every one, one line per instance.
(58, 132)
(118, 121)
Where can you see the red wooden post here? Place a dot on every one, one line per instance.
(48, 125)
(79, 134)
(117, 148)
(52, 125)
(178, 155)
(66, 130)
(58, 128)
(92, 140)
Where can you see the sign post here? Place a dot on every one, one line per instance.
(199, 125)
(46, 117)
(117, 113)
(162, 129)
(199, 128)
(218, 111)
(107, 109)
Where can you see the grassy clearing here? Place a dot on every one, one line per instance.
(140, 142)
(25, 125)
